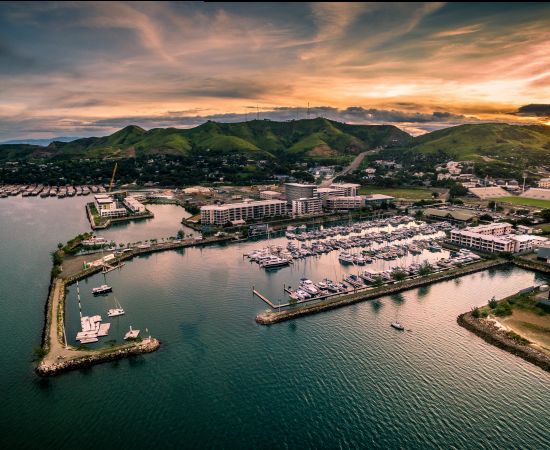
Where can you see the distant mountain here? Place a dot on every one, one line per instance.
(314, 138)
(490, 142)
(41, 142)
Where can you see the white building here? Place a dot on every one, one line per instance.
(346, 189)
(107, 207)
(340, 202)
(495, 238)
(295, 191)
(544, 183)
(307, 206)
(232, 212)
(496, 229)
(134, 205)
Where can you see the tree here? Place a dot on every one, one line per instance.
(493, 303)
(60, 246)
(545, 214)
(425, 269)
(476, 313)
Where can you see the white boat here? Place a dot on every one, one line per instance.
(398, 326)
(132, 334)
(345, 258)
(103, 289)
(116, 311)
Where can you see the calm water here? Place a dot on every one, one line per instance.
(335, 380)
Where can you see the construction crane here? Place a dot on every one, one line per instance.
(113, 177)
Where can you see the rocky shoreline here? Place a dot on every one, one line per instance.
(490, 333)
(63, 365)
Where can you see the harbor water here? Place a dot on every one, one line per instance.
(343, 378)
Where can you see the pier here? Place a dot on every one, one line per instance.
(339, 300)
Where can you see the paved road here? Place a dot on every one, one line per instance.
(353, 166)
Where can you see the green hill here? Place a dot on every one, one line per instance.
(489, 142)
(307, 139)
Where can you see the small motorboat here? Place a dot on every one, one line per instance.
(398, 326)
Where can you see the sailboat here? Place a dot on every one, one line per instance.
(116, 311)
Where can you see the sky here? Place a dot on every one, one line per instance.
(90, 68)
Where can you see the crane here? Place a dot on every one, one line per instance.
(113, 177)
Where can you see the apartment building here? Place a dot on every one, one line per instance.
(232, 212)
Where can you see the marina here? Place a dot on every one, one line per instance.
(204, 310)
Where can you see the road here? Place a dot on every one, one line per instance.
(353, 166)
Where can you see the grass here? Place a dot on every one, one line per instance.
(409, 193)
(525, 201)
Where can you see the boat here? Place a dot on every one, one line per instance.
(132, 334)
(103, 289)
(345, 258)
(116, 311)
(398, 326)
(274, 261)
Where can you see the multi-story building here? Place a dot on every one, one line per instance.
(336, 203)
(233, 212)
(346, 189)
(107, 207)
(307, 206)
(134, 205)
(495, 243)
(544, 183)
(496, 229)
(378, 199)
(295, 191)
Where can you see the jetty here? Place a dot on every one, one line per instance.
(339, 300)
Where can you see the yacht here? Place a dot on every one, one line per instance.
(116, 311)
(345, 258)
(103, 289)
(274, 261)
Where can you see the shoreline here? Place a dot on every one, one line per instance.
(491, 334)
(270, 317)
(110, 221)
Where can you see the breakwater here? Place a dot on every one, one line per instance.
(270, 317)
(490, 333)
(49, 368)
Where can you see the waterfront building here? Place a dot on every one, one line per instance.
(307, 206)
(495, 229)
(336, 203)
(250, 210)
(270, 195)
(492, 243)
(346, 189)
(544, 183)
(378, 199)
(134, 205)
(295, 191)
(107, 206)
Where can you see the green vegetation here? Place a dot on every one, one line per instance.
(425, 269)
(517, 338)
(489, 142)
(408, 193)
(315, 138)
(538, 203)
